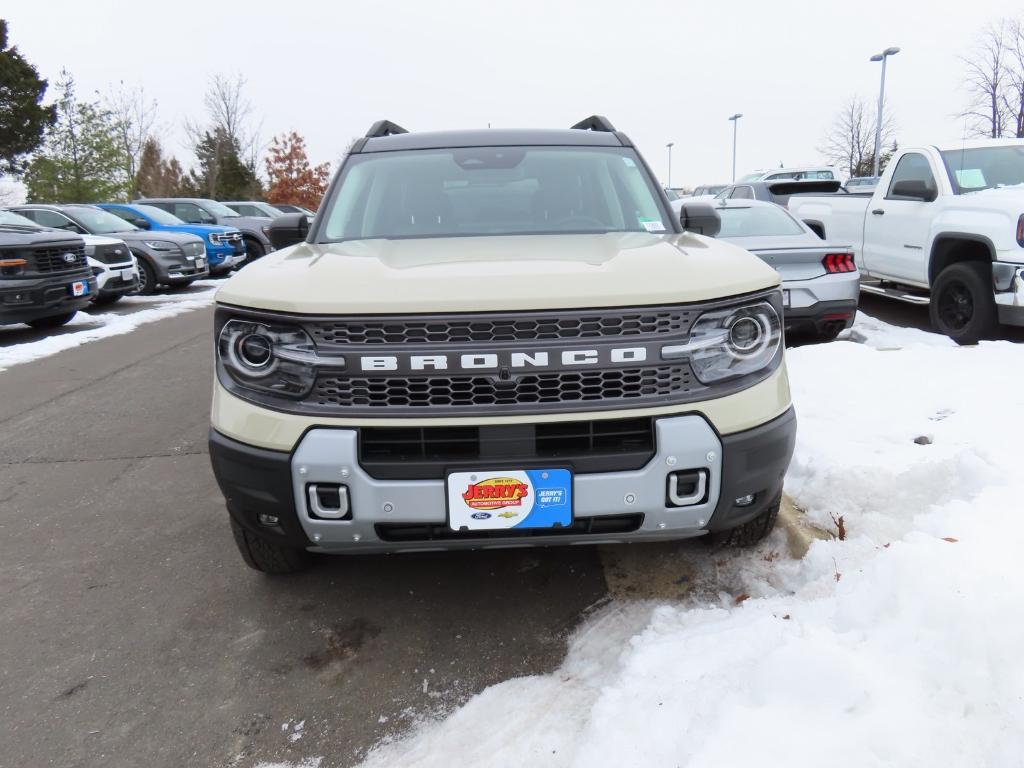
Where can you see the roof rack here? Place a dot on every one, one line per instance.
(384, 128)
(595, 123)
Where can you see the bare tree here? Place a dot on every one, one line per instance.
(986, 80)
(135, 116)
(229, 113)
(1013, 80)
(850, 142)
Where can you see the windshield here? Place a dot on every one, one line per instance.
(218, 209)
(751, 177)
(971, 170)
(493, 191)
(97, 221)
(159, 215)
(759, 221)
(9, 219)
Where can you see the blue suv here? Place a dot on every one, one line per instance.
(225, 247)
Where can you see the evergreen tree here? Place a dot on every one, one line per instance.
(222, 175)
(81, 159)
(159, 177)
(23, 119)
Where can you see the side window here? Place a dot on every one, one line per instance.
(743, 193)
(129, 216)
(55, 220)
(247, 210)
(188, 212)
(912, 167)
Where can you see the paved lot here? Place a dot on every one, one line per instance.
(134, 636)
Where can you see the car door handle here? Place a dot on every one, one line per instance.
(878, 212)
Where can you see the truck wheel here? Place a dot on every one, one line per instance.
(752, 531)
(268, 557)
(962, 306)
(147, 278)
(254, 248)
(54, 321)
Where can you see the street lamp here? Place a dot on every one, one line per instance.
(670, 145)
(735, 121)
(881, 100)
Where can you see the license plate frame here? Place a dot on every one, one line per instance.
(79, 288)
(785, 299)
(494, 499)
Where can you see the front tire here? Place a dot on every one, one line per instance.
(147, 278)
(54, 321)
(962, 306)
(752, 531)
(254, 248)
(266, 556)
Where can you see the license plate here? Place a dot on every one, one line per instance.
(128, 274)
(503, 499)
(785, 299)
(200, 263)
(80, 288)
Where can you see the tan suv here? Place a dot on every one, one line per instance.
(491, 338)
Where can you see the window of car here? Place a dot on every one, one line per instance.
(158, 215)
(52, 219)
(99, 222)
(12, 219)
(246, 210)
(751, 177)
(475, 191)
(190, 213)
(757, 221)
(742, 193)
(127, 214)
(913, 166)
(970, 170)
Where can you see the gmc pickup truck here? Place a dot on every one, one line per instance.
(496, 338)
(944, 227)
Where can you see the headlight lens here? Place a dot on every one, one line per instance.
(732, 341)
(159, 245)
(270, 358)
(214, 238)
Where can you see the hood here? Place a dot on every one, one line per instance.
(18, 236)
(101, 240)
(479, 274)
(199, 230)
(179, 238)
(1014, 192)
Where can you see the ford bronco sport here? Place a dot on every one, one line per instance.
(491, 338)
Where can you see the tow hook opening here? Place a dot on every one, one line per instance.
(687, 487)
(328, 501)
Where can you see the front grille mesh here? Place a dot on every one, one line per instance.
(533, 389)
(193, 249)
(538, 326)
(52, 259)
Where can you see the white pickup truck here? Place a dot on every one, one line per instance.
(944, 227)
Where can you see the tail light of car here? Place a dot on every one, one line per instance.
(835, 263)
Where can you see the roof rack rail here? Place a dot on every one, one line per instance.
(595, 123)
(384, 128)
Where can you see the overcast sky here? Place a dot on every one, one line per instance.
(661, 71)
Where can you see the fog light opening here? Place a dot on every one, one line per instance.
(745, 501)
(268, 520)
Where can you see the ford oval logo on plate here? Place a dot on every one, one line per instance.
(481, 515)
(69, 258)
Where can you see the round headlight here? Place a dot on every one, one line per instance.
(745, 335)
(255, 350)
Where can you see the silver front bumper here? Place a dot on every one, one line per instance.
(331, 456)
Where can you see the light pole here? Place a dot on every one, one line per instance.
(881, 101)
(670, 145)
(735, 121)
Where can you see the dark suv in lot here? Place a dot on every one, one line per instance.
(44, 276)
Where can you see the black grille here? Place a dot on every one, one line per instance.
(113, 254)
(532, 389)
(422, 453)
(584, 526)
(53, 259)
(538, 326)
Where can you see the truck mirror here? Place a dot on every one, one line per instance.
(701, 218)
(289, 229)
(913, 189)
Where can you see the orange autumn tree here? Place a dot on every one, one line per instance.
(291, 178)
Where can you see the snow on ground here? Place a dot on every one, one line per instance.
(104, 322)
(899, 646)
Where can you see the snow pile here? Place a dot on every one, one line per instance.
(99, 324)
(899, 646)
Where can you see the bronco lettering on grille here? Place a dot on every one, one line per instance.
(494, 361)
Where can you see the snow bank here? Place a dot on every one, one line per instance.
(85, 327)
(899, 646)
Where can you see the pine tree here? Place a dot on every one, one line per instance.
(222, 174)
(81, 159)
(158, 177)
(23, 119)
(291, 178)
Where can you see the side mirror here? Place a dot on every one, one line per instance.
(141, 224)
(207, 219)
(701, 218)
(288, 230)
(912, 189)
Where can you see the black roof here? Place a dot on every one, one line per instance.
(492, 137)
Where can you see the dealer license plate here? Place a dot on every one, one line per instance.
(79, 288)
(785, 299)
(128, 274)
(503, 499)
